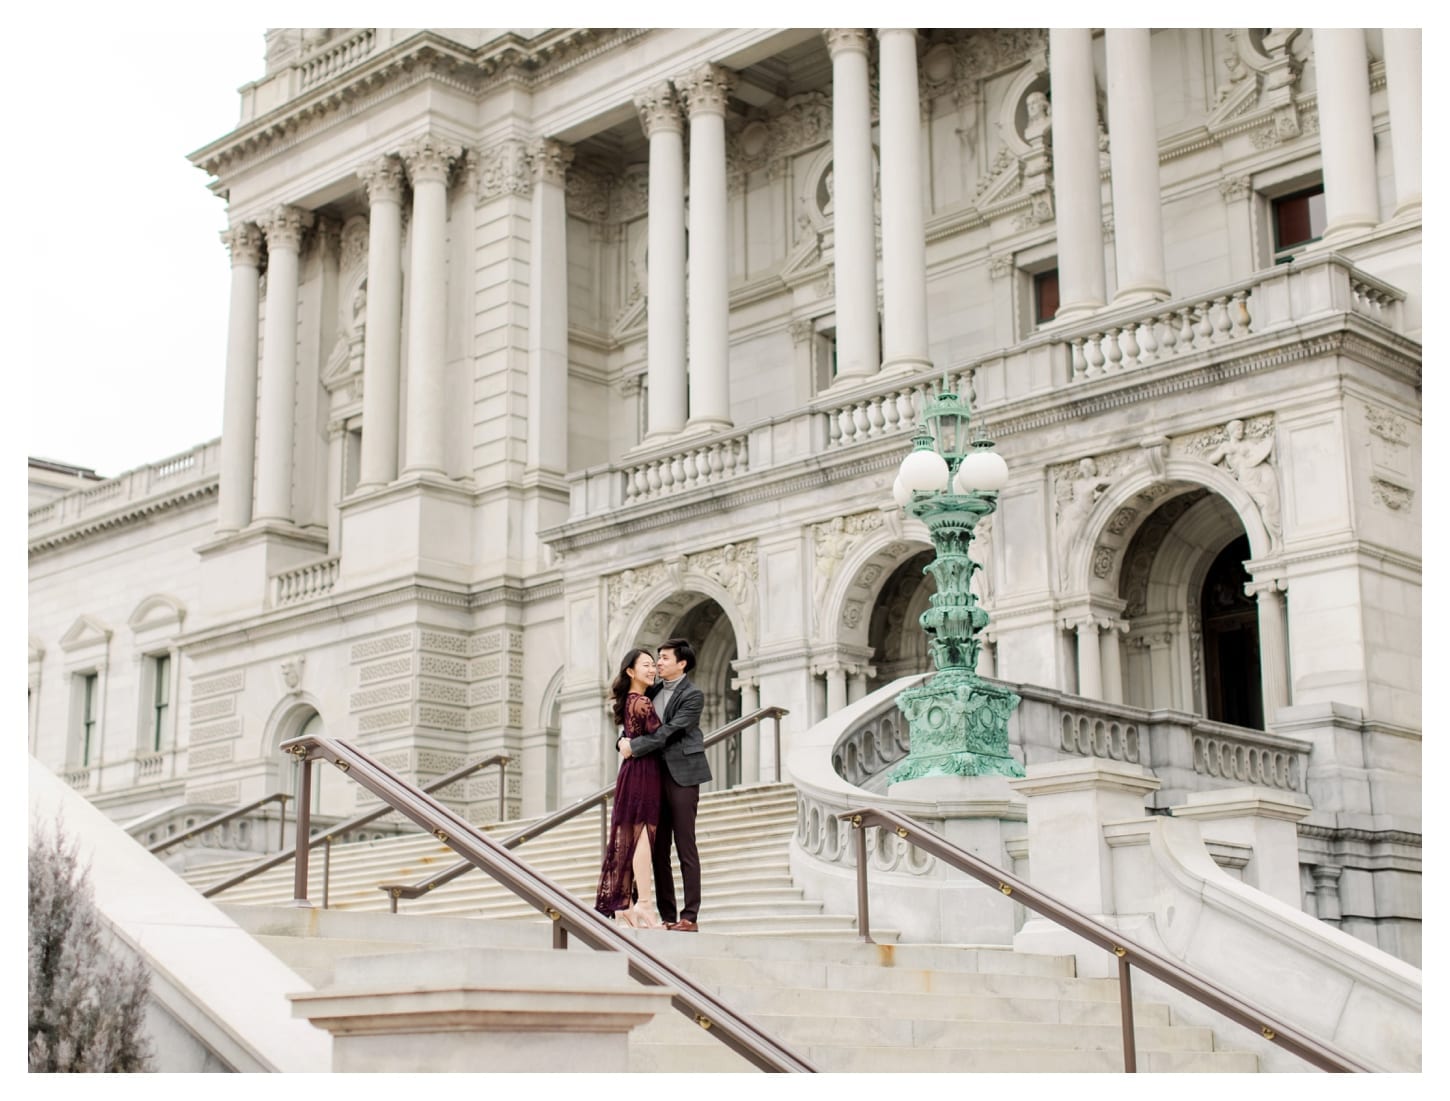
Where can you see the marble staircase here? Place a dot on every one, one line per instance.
(844, 1005)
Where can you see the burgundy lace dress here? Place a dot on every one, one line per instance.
(636, 809)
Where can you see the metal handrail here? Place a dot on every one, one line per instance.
(600, 799)
(326, 838)
(227, 816)
(1128, 952)
(568, 914)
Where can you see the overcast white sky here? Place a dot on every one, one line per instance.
(124, 309)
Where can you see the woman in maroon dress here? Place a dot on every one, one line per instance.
(628, 870)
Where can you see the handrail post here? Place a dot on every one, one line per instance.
(304, 821)
(603, 829)
(282, 830)
(1125, 998)
(863, 906)
(776, 717)
(503, 767)
(326, 871)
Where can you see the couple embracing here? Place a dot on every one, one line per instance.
(662, 766)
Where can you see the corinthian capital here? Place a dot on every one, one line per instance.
(846, 39)
(705, 88)
(384, 179)
(549, 160)
(429, 159)
(244, 242)
(659, 110)
(284, 227)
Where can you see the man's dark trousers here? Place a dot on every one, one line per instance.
(677, 824)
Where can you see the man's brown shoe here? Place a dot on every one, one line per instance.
(684, 925)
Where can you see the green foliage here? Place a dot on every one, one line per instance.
(87, 1004)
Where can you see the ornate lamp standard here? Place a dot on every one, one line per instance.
(949, 482)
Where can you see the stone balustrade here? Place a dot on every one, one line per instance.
(150, 766)
(333, 59)
(706, 463)
(1241, 318)
(80, 779)
(304, 582)
(134, 488)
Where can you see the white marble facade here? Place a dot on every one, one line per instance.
(603, 336)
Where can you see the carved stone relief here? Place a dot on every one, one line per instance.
(833, 540)
(1245, 449)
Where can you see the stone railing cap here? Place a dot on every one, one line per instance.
(1084, 774)
(1289, 806)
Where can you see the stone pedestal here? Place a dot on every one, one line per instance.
(1263, 819)
(1068, 803)
(477, 1010)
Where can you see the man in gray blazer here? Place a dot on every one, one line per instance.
(681, 745)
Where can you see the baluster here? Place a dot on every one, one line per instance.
(905, 409)
(677, 471)
(687, 467)
(1147, 340)
(874, 418)
(1095, 358)
(1222, 322)
(1079, 360)
(629, 490)
(717, 460)
(1168, 342)
(1203, 327)
(1185, 328)
(656, 481)
(1112, 351)
(1239, 313)
(848, 425)
(890, 414)
(1128, 345)
(863, 422)
(730, 460)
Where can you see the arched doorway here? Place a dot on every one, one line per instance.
(1192, 642)
(898, 644)
(1232, 687)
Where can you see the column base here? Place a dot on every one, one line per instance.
(905, 365)
(1077, 311)
(1410, 210)
(1353, 226)
(703, 426)
(1141, 294)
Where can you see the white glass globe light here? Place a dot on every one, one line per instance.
(925, 471)
(900, 492)
(982, 470)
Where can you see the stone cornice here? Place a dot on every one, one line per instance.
(423, 56)
(1342, 833)
(188, 497)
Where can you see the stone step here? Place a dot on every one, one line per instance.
(681, 1058)
(858, 977)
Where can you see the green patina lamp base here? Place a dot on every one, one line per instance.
(958, 728)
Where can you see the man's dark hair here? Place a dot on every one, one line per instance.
(684, 652)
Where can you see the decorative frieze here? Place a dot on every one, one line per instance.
(389, 644)
(832, 541)
(209, 755)
(439, 642)
(213, 732)
(384, 670)
(374, 721)
(396, 692)
(503, 169)
(1235, 189)
(217, 685)
(221, 794)
(201, 712)
(1245, 449)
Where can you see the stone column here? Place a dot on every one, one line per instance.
(239, 411)
(1402, 85)
(750, 740)
(1137, 196)
(1346, 135)
(1089, 658)
(548, 437)
(835, 689)
(1273, 645)
(284, 229)
(1076, 177)
(855, 685)
(704, 90)
(858, 352)
(429, 160)
(660, 115)
(903, 234)
(1111, 641)
(987, 658)
(384, 180)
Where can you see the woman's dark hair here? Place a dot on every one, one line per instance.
(620, 688)
(684, 652)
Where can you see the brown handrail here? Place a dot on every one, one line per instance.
(227, 816)
(1128, 952)
(567, 913)
(600, 799)
(326, 838)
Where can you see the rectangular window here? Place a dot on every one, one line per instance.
(1044, 296)
(88, 716)
(160, 699)
(1298, 219)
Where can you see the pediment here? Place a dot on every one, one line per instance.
(157, 610)
(632, 317)
(85, 631)
(1241, 99)
(804, 257)
(1007, 182)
